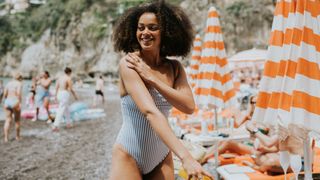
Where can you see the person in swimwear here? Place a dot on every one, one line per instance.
(99, 90)
(1, 90)
(43, 95)
(150, 84)
(12, 105)
(30, 100)
(63, 90)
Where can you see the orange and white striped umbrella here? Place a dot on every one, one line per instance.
(214, 85)
(290, 88)
(195, 60)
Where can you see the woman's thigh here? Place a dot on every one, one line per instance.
(123, 166)
(164, 171)
(8, 114)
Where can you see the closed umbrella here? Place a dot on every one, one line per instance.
(214, 85)
(289, 94)
(195, 60)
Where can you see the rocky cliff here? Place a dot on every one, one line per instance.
(83, 39)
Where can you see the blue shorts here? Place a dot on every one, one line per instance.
(40, 96)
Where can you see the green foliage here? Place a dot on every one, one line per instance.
(6, 35)
(242, 19)
(55, 15)
(98, 28)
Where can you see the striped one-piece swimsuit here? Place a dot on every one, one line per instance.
(137, 136)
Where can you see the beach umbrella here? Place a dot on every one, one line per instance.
(214, 85)
(289, 91)
(195, 60)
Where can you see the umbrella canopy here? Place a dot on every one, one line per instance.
(214, 85)
(248, 58)
(195, 60)
(290, 88)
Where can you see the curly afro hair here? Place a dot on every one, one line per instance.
(176, 29)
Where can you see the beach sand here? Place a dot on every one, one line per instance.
(83, 152)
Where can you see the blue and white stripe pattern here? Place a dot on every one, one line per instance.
(137, 136)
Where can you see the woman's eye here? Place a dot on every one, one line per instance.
(141, 28)
(154, 28)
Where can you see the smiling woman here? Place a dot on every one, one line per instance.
(150, 84)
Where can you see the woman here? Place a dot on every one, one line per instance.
(252, 104)
(12, 105)
(149, 85)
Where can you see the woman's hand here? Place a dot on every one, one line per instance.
(136, 63)
(194, 169)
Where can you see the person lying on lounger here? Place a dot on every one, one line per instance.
(264, 149)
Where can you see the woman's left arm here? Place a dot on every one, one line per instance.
(180, 95)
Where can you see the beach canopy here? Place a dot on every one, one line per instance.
(290, 88)
(195, 60)
(214, 83)
(248, 58)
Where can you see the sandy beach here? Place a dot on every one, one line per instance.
(83, 152)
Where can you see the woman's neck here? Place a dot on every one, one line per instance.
(152, 59)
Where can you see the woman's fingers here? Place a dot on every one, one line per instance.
(131, 60)
(192, 176)
(135, 58)
(199, 174)
(206, 173)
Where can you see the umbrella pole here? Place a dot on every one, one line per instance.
(216, 120)
(307, 159)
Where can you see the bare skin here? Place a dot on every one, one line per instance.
(144, 69)
(45, 82)
(267, 157)
(99, 87)
(64, 83)
(12, 90)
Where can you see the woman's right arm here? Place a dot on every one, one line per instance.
(136, 88)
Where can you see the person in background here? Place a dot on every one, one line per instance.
(264, 148)
(30, 101)
(43, 95)
(99, 90)
(12, 105)
(252, 104)
(1, 90)
(63, 90)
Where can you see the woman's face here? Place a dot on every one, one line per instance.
(148, 32)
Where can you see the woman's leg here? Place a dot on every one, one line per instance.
(46, 106)
(235, 147)
(17, 112)
(123, 166)
(269, 162)
(164, 171)
(7, 124)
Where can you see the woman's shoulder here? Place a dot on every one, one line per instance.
(173, 62)
(122, 63)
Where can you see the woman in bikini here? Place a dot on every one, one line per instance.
(12, 105)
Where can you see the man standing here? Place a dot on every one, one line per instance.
(43, 95)
(63, 90)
